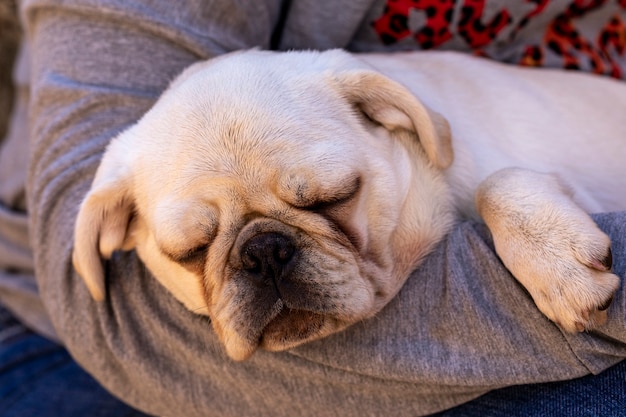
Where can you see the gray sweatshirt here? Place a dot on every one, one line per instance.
(461, 325)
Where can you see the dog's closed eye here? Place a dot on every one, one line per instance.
(185, 230)
(193, 259)
(314, 196)
(188, 256)
(336, 203)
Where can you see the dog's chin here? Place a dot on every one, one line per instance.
(294, 327)
(288, 329)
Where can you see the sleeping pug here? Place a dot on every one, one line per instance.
(289, 195)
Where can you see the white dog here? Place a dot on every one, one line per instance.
(289, 195)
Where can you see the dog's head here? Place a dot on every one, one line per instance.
(286, 196)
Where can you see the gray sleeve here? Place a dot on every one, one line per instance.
(460, 327)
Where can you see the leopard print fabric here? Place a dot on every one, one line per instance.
(588, 35)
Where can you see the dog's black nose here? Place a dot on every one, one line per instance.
(268, 257)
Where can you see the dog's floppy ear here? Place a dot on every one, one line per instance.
(393, 106)
(103, 223)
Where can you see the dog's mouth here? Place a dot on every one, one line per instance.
(283, 328)
(292, 327)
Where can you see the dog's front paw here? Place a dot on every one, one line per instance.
(576, 288)
(551, 246)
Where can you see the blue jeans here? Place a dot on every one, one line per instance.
(39, 379)
(602, 395)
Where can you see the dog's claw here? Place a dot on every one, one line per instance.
(604, 264)
(608, 261)
(580, 327)
(606, 304)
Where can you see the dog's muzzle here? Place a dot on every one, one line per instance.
(284, 289)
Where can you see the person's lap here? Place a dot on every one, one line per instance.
(39, 378)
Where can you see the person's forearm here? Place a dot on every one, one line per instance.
(95, 71)
(97, 67)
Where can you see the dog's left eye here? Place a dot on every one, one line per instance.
(332, 197)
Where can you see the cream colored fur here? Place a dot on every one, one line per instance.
(351, 168)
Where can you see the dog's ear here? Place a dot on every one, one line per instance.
(104, 221)
(393, 106)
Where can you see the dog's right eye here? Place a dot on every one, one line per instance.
(192, 259)
(193, 255)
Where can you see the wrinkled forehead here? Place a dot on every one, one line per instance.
(253, 125)
(230, 121)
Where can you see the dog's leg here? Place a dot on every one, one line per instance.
(550, 245)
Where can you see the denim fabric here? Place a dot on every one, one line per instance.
(602, 395)
(38, 378)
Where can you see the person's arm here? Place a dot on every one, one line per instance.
(97, 67)
(459, 327)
